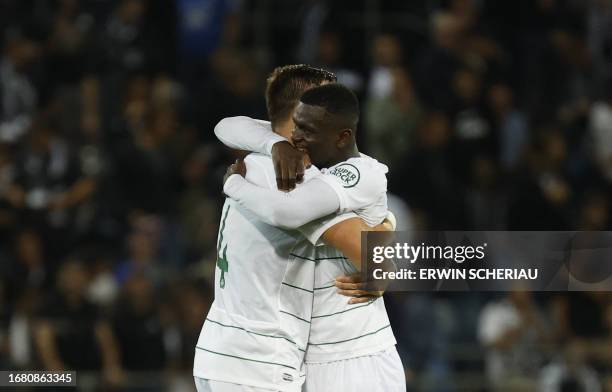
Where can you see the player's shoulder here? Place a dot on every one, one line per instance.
(260, 169)
(360, 172)
(258, 159)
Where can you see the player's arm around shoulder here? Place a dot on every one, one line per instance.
(346, 237)
(285, 210)
(247, 134)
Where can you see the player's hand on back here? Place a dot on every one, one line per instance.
(353, 286)
(237, 167)
(289, 165)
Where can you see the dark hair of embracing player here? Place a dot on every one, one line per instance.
(336, 99)
(286, 84)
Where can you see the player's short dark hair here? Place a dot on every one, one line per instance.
(336, 99)
(286, 84)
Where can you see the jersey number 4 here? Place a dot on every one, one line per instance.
(222, 261)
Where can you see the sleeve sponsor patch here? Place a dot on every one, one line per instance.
(348, 174)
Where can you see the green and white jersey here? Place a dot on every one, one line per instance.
(256, 331)
(361, 186)
(339, 330)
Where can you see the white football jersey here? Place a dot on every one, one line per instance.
(339, 330)
(256, 331)
(270, 283)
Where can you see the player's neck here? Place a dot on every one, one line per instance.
(345, 154)
(284, 129)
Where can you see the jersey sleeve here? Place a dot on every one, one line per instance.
(313, 231)
(256, 171)
(309, 201)
(245, 133)
(357, 186)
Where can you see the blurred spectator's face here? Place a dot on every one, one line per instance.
(90, 89)
(23, 53)
(245, 81)
(30, 249)
(547, 4)
(595, 213)
(69, 4)
(41, 138)
(140, 292)
(483, 172)
(195, 168)
(90, 124)
(500, 98)
(446, 31)
(467, 85)
(165, 91)
(435, 132)
(131, 11)
(402, 85)
(193, 307)
(387, 50)
(329, 48)
(164, 124)
(141, 247)
(72, 279)
(555, 148)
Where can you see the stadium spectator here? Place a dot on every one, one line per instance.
(510, 126)
(30, 268)
(437, 65)
(512, 330)
(600, 120)
(394, 114)
(19, 96)
(569, 372)
(143, 251)
(138, 327)
(71, 334)
(49, 184)
(329, 57)
(434, 186)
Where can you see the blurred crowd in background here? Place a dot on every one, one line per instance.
(491, 115)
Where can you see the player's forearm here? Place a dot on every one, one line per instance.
(346, 236)
(287, 210)
(245, 133)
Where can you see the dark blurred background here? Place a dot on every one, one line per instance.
(491, 115)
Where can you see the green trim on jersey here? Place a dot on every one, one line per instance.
(318, 258)
(324, 287)
(344, 311)
(297, 317)
(255, 333)
(355, 338)
(222, 262)
(296, 287)
(245, 359)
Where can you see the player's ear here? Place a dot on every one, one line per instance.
(344, 137)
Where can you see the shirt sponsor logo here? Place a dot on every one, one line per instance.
(347, 173)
